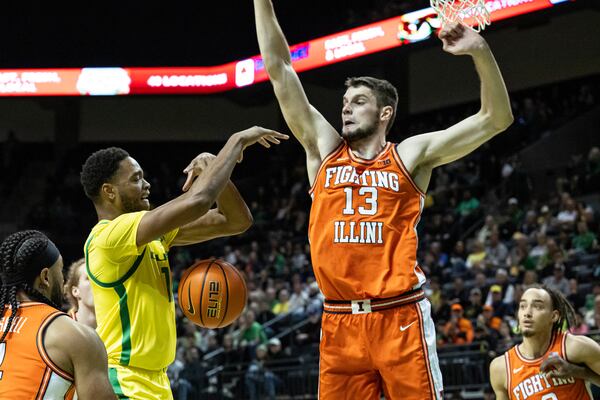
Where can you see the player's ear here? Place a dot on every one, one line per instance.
(386, 113)
(43, 280)
(75, 292)
(108, 192)
(555, 316)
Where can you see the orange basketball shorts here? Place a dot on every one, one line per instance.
(369, 347)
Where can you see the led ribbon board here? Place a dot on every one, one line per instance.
(405, 29)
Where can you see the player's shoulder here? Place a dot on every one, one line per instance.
(498, 365)
(106, 232)
(578, 347)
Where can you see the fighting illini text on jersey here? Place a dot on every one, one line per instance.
(362, 226)
(525, 381)
(26, 371)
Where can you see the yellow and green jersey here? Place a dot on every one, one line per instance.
(132, 292)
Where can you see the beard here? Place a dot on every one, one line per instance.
(131, 205)
(359, 133)
(56, 294)
(527, 333)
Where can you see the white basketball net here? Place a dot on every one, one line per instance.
(474, 12)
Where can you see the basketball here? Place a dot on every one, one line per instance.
(212, 293)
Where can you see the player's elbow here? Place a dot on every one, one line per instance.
(243, 223)
(496, 123)
(200, 203)
(501, 123)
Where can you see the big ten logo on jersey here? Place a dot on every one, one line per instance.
(539, 383)
(360, 201)
(214, 299)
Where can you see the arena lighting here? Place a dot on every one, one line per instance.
(405, 29)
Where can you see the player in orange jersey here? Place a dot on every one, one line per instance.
(44, 354)
(79, 294)
(368, 194)
(550, 364)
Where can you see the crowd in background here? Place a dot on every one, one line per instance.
(484, 238)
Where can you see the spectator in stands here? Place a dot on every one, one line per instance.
(275, 350)
(557, 280)
(457, 260)
(592, 317)
(252, 332)
(580, 327)
(458, 292)
(592, 176)
(585, 241)
(191, 377)
(540, 249)
(475, 260)
(283, 304)
(507, 288)
(545, 224)
(481, 283)
(495, 252)
(467, 208)
(298, 300)
(458, 330)
(497, 302)
(518, 258)
(530, 278)
(260, 381)
(568, 214)
(575, 297)
(475, 305)
(530, 224)
(231, 353)
(488, 227)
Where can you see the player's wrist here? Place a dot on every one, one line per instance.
(481, 49)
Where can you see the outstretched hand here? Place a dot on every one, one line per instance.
(257, 134)
(460, 40)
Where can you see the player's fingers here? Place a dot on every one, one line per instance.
(272, 139)
(281, 136)
(263, 142)
(188, 181)
(550, 364)
(189, 167)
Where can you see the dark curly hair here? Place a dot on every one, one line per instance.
(16, 255)
(99, 168)
(385, 93)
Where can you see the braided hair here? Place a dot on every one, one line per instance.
(565, 310)
(16, 255)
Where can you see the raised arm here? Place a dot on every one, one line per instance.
(231, 217)
(424, 152)
(498, 378)
(313, 131)
(205, 190)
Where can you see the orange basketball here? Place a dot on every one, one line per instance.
(212, 293)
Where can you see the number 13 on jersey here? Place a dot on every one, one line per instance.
(362, 232)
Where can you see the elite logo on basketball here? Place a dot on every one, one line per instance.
(214, 300)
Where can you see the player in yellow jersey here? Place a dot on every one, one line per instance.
(127, 253)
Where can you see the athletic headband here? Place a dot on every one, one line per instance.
(45, 259)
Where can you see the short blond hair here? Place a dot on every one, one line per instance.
(73, 276)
